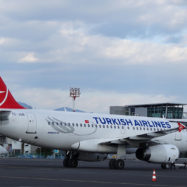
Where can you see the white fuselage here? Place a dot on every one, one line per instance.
(65, 130)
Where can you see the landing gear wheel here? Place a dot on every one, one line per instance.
(73, 163)
(164, 166)
(112, 164)
(66, 162)
(116, 164)
(70, 160)
(120, 164)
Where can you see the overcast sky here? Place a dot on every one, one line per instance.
(118, 52)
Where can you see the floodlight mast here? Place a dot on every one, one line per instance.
(74, 93)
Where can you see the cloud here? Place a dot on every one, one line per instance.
(29, 58)
(7, 42)
(90, 100)
(82, 45)
(134, 18)
(142, 52)
(136, 47)
(74, 43)
(2, 41)
(79, 37)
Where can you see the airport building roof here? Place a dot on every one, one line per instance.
(156, 104)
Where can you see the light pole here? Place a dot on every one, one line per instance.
(74, 93)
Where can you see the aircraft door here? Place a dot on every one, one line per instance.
(31, 128)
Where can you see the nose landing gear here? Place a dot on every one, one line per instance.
(70, 160)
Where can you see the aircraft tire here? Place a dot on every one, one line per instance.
(164, 166)
(73, 163)
(66, 162)
(120, 164)
(112, 164)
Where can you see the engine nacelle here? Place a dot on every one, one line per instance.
(165, 153)
(87, 156)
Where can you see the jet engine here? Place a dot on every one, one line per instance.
(87, 156)
(165, 153)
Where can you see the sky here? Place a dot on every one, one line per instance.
(117, 52)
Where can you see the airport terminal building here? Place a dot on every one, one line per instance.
(166, 110)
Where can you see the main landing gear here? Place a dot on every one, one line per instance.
(168, 166)
(70, 160)
(119, 162)
(116, 164)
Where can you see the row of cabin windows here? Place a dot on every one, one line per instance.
(104, 126)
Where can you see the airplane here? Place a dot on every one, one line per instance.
(93, 136)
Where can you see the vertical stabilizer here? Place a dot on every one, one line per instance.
(6, 98)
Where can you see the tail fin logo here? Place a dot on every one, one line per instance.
(6, 98)
(3, 93)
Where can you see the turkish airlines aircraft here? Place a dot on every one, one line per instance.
(91, 136)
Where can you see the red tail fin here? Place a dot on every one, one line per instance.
(6, 98)
(181, 127)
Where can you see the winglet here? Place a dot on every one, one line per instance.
(7, 101)
(181, 127)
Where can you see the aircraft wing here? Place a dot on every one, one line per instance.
(132, 141)
(146, 137)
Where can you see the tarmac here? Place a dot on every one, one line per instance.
(50, 172)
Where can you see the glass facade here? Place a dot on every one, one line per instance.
(160, 110)
(170, 112)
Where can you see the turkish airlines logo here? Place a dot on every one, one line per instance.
(181, 127)
(3, 95)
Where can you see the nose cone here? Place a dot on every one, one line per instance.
(3, 150)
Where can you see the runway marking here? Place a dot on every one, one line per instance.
(86, 181)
